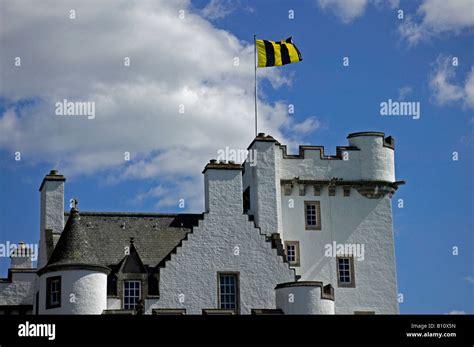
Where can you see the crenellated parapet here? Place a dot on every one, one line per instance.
(369, 156)
(365, 166)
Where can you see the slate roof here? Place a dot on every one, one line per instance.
(74, 247)
(100, 238)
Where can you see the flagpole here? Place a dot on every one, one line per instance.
(255, 63)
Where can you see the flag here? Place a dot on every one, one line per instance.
(276, 53)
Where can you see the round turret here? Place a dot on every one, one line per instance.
(73, 282)
(305, 297)
(376, 155)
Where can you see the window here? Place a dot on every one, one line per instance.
(293, 252)
(131, 294)
(345, 272)
(312, 215)
(53, 292)
(228, 286)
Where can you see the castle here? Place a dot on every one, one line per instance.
(283, 234)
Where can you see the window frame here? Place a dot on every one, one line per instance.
(49, 282)
(139, 293)
(297, 260)
(317, 205)
(237, 290)
(350, 284)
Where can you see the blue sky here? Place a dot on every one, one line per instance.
(387, 57)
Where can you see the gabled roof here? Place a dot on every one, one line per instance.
(132, 263)
(102, 238)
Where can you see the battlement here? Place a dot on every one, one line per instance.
(366, 164)
(369, 156)
(310, 150)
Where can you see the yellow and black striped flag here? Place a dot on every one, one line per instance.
(277, 53)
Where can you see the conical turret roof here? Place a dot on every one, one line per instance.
(74, 248)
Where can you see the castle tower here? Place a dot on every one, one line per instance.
(333, 214)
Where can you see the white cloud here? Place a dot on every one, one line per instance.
(173, 61)
(442, 86)
(348, 10)
(218, 9)
(170, 193)
(345, 10)
(470, 279)
(307, 126)
(435, 17)
(457, 312)
(469, 89)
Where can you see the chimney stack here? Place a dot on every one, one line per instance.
(223, 187)
(21, 258)
(51, 211)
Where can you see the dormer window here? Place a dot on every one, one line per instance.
(131, 294)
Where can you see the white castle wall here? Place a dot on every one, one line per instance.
(304, 299)
(89, 289)
(264, 191)
(114, 303)
(20, 291)
(350, 219)
(224, 241)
